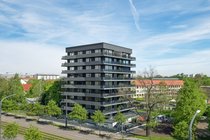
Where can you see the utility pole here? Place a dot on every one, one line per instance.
(66, 119)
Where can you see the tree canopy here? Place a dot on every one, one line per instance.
(52, 109)
(11, 131)
(190, 99)
(32, 133)
(78, 113)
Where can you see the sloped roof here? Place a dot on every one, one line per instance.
(158, 82)
(26, 87)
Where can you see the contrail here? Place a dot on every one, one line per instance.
(135, 14)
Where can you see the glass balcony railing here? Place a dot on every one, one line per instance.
(102, 53)
(108, 62)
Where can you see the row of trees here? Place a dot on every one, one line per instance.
(11, 131)
(47, 93)
(80, 114)
(44, 90)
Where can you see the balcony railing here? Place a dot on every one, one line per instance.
(103, 95)
(97, 79)
(97, 86)
(102, 53)
(98, 62)
(97, 70)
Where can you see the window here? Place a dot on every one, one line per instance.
(97, 67)
(71, 61)
(80, 53)
(88, 75)
(88, 67)
(87, 59)
(71, 68)
(71, 53)
(79, 68)
(97, 59)
(108, 75)
(88, 52)
(107, 59)
(97, 75)
(97, 83)
(98, 51)
(79, 60)
(88, 83)
(108, 67)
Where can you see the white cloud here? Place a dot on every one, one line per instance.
(28, 57)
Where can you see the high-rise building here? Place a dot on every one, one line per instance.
(95, 74)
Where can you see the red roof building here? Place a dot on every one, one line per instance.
(172, 84)
(26, 87)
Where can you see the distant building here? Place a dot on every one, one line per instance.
(46, 76)
(172, 84)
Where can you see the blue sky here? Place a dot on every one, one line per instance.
(171, 36)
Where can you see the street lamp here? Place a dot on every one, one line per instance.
(191, 123)
(0, 110)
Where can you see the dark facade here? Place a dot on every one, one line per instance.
(95, 73)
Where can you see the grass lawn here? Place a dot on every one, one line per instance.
(155, 137)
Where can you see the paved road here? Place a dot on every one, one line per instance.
(72, 134)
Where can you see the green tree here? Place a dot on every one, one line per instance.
(78, 113)
(52, 109)
(52, 92)
(99, 118)
(4, 87)
(181, 130)
(10, 131)
(190, 99)
(35, 109)
(121, 119)
(36, 89)
(15, 86)
(32, 133)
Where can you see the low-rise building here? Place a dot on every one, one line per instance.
(46, 76)
(171, 85)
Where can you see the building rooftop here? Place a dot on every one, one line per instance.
(104, 44)
(157, 82)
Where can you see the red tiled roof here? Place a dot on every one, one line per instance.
(26, 87)
(157, 82)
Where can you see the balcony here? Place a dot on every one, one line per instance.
(97, 70)
(81, 102)
(96, 63)
(111, 103)
(98, 79)
(97, 86)
(114, 54)
(97, 103)
(101, 95)
(114, 110)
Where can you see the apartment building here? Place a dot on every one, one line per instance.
(172, 86)
(94, 75)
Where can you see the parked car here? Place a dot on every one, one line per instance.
(162, 118)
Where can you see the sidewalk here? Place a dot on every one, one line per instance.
(72, 134)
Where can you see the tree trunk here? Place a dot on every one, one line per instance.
(148, 130)
(99, 128)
